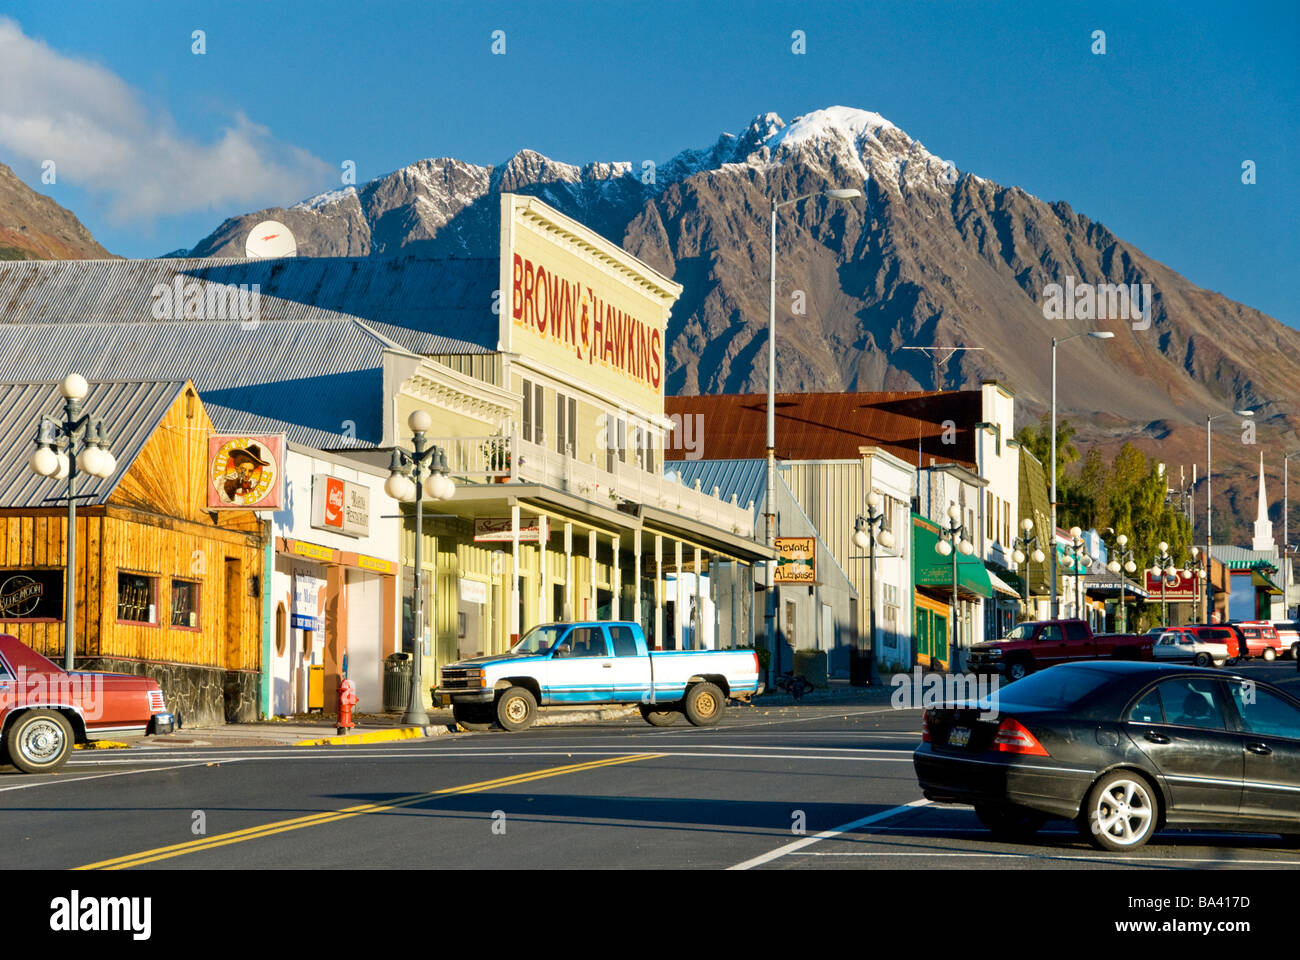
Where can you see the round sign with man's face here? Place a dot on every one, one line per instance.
(242, 473)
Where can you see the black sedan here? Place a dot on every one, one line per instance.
(1123, 749)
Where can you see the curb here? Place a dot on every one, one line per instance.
(614, 713)
(375, 736)
(102, 745)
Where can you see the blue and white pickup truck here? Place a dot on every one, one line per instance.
(595, 662)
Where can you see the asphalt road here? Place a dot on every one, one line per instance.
(791, 788)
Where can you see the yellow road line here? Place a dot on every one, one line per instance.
(330, 816)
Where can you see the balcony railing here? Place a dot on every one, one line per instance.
(512, 459)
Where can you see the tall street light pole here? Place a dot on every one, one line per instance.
(1195, 570)
(1056, 341)
(1078, 561)
(1209, 496)
(1286, 508)
(866, 532)
(769, 604)
(953, 544)
(1026, 547)
(415, 475)
(1164, 569)
(1121, 562)
(55, 456)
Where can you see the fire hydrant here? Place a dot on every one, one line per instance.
(347, 700)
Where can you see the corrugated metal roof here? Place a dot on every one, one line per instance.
(832, 426)
(131, 411)
(307, 378)
(746, 479)
(445, 305)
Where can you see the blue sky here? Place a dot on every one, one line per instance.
(155, 145)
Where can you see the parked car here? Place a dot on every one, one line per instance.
(1288, 631)
(1036, 644)
(596, 662)
(1224, 633)
(1261, 638)
(1176, 645)
(45, 710)
(1123, 750)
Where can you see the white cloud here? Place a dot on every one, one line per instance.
(97, 130)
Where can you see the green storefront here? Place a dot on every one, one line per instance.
(932, 576)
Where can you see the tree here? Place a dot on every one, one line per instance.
(1038, 441)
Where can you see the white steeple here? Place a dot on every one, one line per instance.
(1263, 526)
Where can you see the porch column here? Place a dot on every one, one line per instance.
(568, 572)
(697, 622)
(678, 634)
(591, 552)
(636, 574)
(514, 574)
(659, 590)
(615, 583)
(543, 585)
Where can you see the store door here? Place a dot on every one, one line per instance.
(365, 639)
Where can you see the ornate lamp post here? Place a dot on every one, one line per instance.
(1121, 562)
(1164, 568)
(867, 531)
(952, 544)
(416, 475)
(1026, 546)
(54, 457)
(1196, 571)
(1077, 564)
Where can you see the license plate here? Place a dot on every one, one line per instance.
(959, 737)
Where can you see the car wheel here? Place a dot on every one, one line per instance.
(1010, 822)
(39, 741)
(1202, 660)
(516, 709)
(703, 704)
(1295, 651)
(472, 717)
(1270, 654)
(1017, 670)
(1121, 812)
(659, 718)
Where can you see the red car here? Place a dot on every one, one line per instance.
(45, 711)
(1262, 639)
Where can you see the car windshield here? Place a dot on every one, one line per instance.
(1021, 631)
(1055, 689)
(540, 639)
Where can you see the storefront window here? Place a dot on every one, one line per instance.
(185, 604)
(137, 598)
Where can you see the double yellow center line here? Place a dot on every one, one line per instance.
(331, 816)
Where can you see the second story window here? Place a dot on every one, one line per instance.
(539, 414)
(528, 410)
(566, 424)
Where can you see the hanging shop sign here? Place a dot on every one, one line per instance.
(473, 591)
(1177, 587)
(340, 505)
(31, 594)
(796, 559)
(246, 472)
(497, 529)
(306, 600)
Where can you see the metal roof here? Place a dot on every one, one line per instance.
(426, 305)
(746, 479)
(1242, 558)
(131, 411)
(833, 426)
(307, 378)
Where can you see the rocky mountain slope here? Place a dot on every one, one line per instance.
(932, 255)
(34, 227)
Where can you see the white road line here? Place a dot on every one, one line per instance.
(101, 776)
(1047, 856)
(790, 848)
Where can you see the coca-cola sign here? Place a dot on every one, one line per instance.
(340, 505)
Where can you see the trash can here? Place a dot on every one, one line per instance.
(397, 682)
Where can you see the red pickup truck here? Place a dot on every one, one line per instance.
(45, 711)
(1036, 644)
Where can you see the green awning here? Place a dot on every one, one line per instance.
(931, 569)
(1265, 585)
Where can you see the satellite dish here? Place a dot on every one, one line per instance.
(270, 238)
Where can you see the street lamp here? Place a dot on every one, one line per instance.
(1209, 497)
(1024, 546)
(416, 475)
(952, 544)
(1121, 562)
(1164, 568)
(1195, 570)
(53, 457)
(1096, 335)
(770, 518)
(1077, 563)
(866, 532)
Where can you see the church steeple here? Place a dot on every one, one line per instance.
(1263, 526)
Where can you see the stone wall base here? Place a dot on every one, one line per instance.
(198, 696)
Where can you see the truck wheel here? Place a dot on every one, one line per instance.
(39, 741)
(1270, 654)
(703, 705)
(659, 718)
(472, 717)
(1295, 651)
(516, 709)
(1018, 670)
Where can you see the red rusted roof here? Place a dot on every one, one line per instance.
(829, 426)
